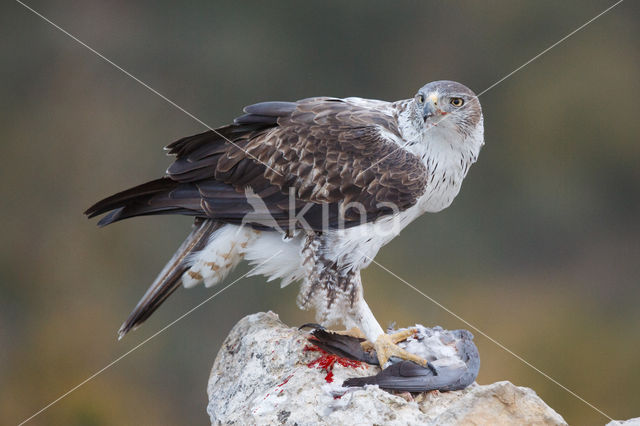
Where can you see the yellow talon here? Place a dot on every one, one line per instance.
(353, 332)
(395, 338)
(386, 345)
(386, 348)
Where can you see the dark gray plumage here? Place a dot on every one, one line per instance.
(339, 344)
(447, 370)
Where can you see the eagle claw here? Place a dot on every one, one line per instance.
(385, 347)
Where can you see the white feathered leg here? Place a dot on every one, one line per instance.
(364, 320)
(384, 344)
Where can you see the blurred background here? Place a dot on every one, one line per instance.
(541, 250)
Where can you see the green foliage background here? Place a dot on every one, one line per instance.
(540, 250)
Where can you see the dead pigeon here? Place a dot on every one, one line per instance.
(454, 361)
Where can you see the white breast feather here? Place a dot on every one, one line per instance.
(285, 266)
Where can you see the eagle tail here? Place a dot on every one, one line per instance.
(153, 197)
(169, 278)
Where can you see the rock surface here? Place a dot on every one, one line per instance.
(267, 373)
(630, 422)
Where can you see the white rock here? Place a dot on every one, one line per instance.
(264, 375)
(630, 422)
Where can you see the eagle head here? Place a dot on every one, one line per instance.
(448, 105)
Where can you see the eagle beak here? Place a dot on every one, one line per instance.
(429, 109)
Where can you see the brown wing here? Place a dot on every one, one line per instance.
(327, 151)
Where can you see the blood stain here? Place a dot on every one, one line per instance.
(326, 361)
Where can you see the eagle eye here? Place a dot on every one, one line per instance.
(457, 102)
(420, 98)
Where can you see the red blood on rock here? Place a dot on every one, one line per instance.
(310, 348)
(326, 361)
(329, 377)
(285, 381)
(346, 362)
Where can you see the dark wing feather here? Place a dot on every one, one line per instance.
(168, 280)
(342, 345)
(407, 376)
(329, 151)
